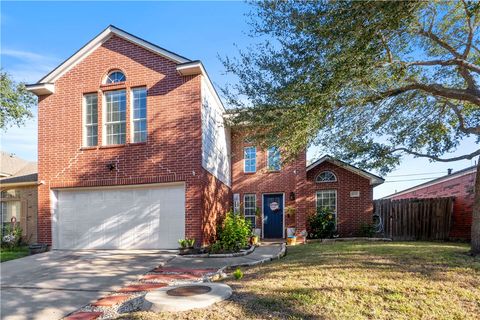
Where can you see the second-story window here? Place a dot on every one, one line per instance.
(90, 119)
(273, 159)
(115, 77)
(250, 159)
(139, 107)
(115, 117)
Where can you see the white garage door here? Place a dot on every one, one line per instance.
(150, 217)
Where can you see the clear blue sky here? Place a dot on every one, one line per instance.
(37, 36)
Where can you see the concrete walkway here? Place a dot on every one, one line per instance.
(261, 254)
(53, 284)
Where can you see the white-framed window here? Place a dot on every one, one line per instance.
(10, 207)
(250, 159)
(273, 159)
(90, 120)
(327, 199)
(139, 114)
(115, 77)
(115, 117)
(250, 208)
(326, 176)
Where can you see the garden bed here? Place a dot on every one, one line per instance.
(242, 252)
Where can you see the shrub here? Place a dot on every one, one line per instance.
(367, 230)
(233, 234)
(11, 236)
(238, 274)
(321, 224)
(186, 243)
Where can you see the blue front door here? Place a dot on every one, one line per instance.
(273, 216)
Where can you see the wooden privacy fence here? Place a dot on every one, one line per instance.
(414, 219)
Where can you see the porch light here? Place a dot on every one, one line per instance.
(292, 195)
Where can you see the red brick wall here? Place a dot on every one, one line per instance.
(289, 179)
(217, 198)
(462, 188)
(351, 212)
(173, 148)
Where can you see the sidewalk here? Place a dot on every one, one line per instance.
(263, 253)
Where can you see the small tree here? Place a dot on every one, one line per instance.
(369, 81)
(16, 102)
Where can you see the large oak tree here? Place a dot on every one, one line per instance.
(371, 81)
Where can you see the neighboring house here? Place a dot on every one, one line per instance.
(134, 153)
(461, 185)
(18, 198)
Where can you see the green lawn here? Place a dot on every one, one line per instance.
(6, 254)
(354, 280)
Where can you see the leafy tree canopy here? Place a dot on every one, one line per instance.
(371, 81)
(16, 102)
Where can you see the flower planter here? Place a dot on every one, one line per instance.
(254, 240)
(37, 248)
(291, 241)
(290, 232)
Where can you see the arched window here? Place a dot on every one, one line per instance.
(114, 77)
(326, 176)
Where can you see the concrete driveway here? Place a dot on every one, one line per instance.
(56, 283)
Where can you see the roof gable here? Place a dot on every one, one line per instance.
(97, 42)
(374, 179)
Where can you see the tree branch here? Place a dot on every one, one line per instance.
(434, 158)
(451, 62)
(461, 120)
(470, 30)
(429, 34)
(434, 89)
(387, 48)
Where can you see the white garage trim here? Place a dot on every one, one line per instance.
(119, 217)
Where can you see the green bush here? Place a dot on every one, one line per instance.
(367, 230)
(321, 224)
(11, 237)
(233, 234)
(238, 274)
(186, 243)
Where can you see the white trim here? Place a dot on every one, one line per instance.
(104, 117)
(268, 160)
(84, 119)
(433, 182)
(97, 42)
(194, 68)
(244, 162)
(126, 186)
(374, 180)
(244, 207)
(132, 127)
(334, 175)
(336, 203)
(41, 88)
(18, 184)
(283, 213)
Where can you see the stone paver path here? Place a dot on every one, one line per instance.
(179, 270)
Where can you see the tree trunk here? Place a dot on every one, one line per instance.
(476, 214)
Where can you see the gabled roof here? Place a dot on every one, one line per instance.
(447, 177)
(46, 85)
(374, 180)
(16, 170)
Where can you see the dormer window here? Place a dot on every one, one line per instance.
(115, 77)
(326, 176)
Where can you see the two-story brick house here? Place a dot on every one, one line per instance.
(134, 153)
